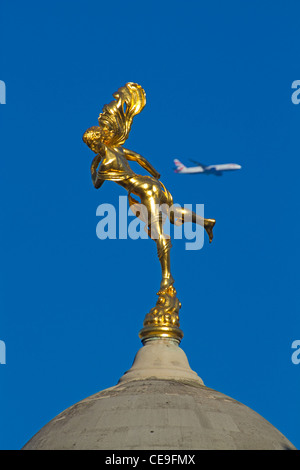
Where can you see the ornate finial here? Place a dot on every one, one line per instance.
(111, 163)
(163, 320)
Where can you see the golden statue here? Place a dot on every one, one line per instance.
(111, 163)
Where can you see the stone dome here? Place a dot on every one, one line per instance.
(160, 403)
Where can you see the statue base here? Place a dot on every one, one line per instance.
(155, 331)
(163, 320)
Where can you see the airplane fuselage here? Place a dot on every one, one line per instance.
(211, 169)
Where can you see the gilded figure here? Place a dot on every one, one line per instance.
(111, 163)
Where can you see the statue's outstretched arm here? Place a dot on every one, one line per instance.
(97, 182)
(136, 157)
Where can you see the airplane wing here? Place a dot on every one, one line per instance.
(197, 163)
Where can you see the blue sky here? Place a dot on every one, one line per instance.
(218, 79)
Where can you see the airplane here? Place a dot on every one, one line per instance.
(207, 169)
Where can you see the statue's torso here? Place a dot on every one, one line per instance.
(114, 165)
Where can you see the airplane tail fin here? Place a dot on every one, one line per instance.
(179, 166)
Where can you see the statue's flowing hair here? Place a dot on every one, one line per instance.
(118, 115)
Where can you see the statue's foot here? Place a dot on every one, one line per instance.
(209, 225)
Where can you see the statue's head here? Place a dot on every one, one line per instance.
(93, 138)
